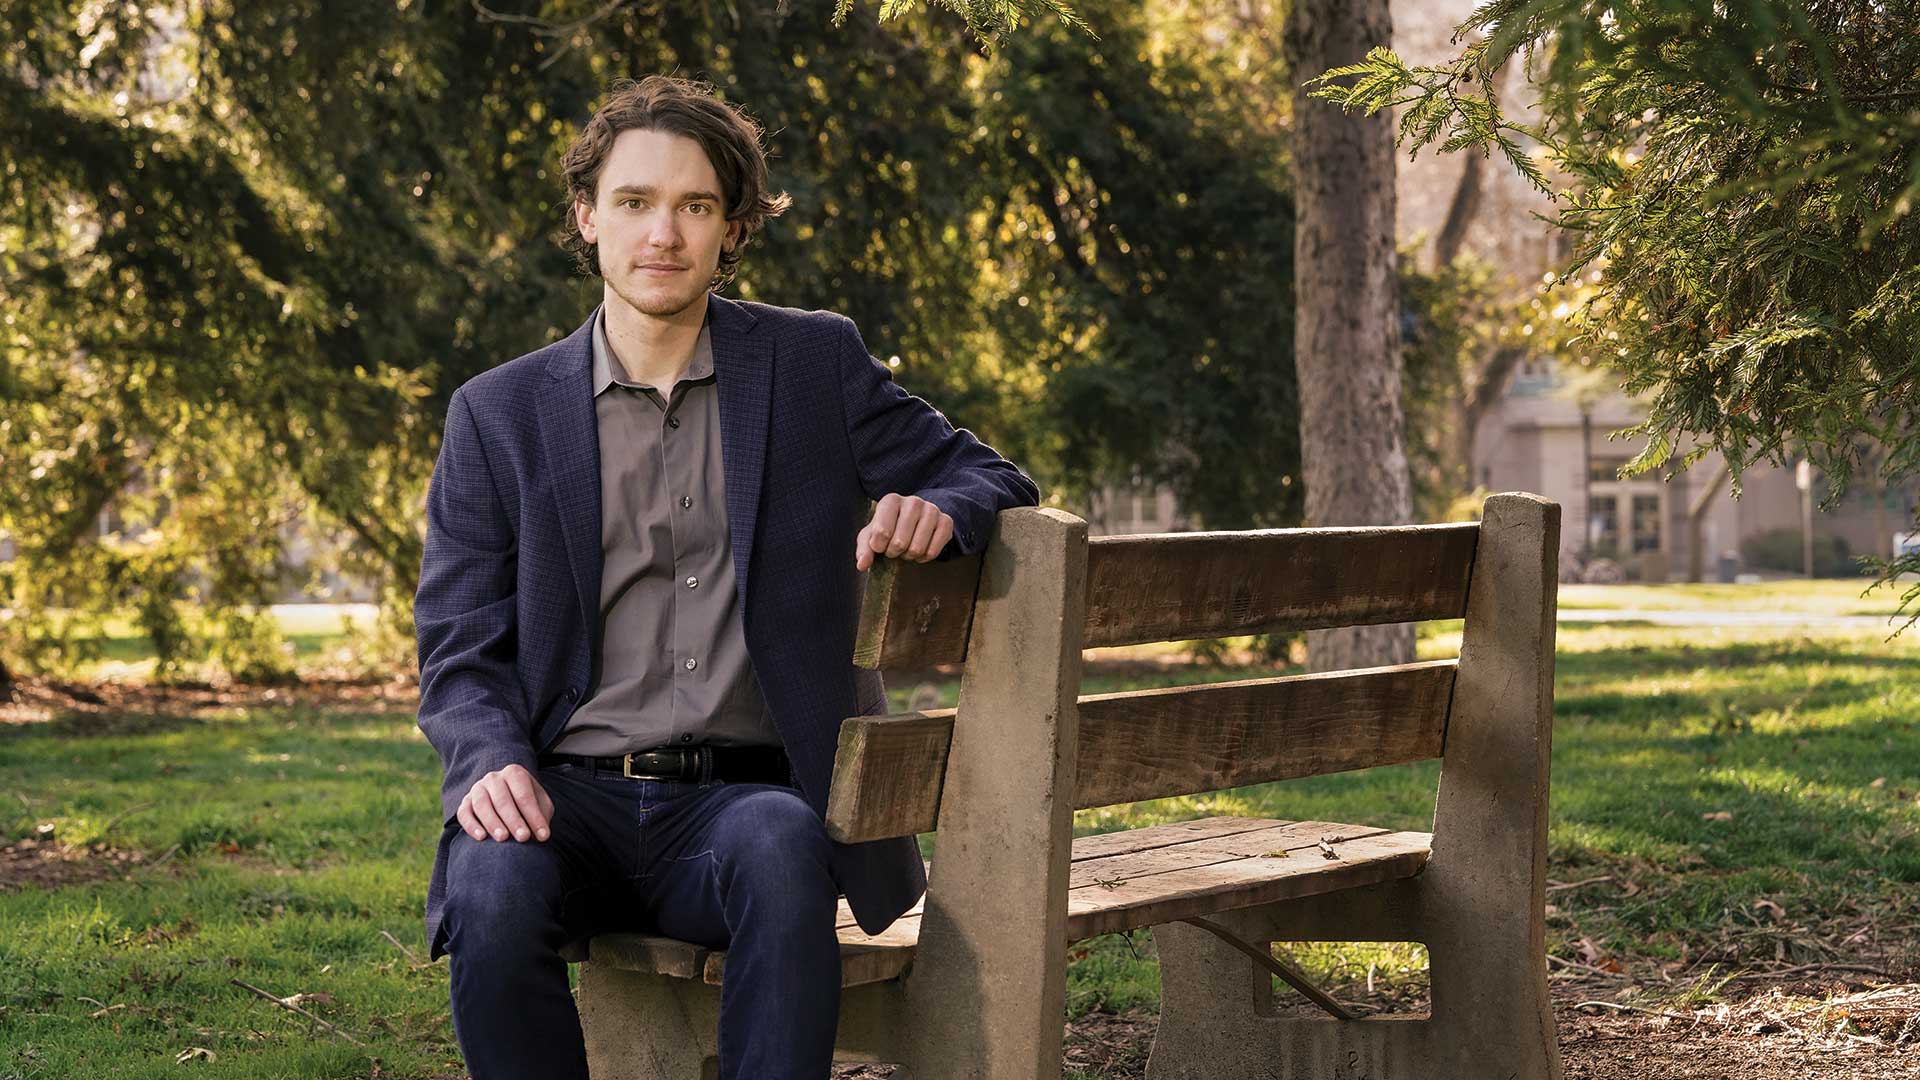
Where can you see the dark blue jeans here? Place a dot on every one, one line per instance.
(741, 867)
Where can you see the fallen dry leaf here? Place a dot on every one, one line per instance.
(1595, 957)
(1718, 815)
(196, 1053)
(1774, 911)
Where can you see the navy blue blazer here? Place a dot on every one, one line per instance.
(812, 427)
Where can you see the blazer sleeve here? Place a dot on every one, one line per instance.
(903, 445)
(471, 704)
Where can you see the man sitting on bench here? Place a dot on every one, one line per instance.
(637, 606)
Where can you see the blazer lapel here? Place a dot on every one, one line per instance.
(570, 433)
(743, 373)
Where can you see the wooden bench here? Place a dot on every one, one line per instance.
(972, 982)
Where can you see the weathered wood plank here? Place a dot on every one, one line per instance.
(1288, 837)
(915, 615)
(1148, 744)
(1179, 586)
(648, 952)
(1153, 743)
(888, 771)
(1201, 890)
(864, 958)
(859, 964)
(1366, 856)
(1101, 845)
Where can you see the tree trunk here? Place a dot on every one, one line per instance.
(1347, 312)
(1697, 522)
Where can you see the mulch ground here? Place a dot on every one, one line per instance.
(1791, 1031)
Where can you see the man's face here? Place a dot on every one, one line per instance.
(659, 219)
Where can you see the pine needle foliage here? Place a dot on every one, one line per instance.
(1744, 177)
(990, 21)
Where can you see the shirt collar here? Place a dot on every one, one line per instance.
(604, 367)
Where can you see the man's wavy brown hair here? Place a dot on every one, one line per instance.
(679, 107)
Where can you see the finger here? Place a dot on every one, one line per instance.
(923, 535)
(483, 813)
(886, 518)
(911, 513)
(862, 552)
(527, 802)
(546, 808)
(469, 822)
(942, 535)
(509, 811)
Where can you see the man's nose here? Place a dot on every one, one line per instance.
(663, 231)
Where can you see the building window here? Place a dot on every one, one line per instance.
(1605, 470)
(1603, 526)
(1646, 523)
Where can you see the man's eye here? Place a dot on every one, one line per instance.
(629, 202)
(701, 207)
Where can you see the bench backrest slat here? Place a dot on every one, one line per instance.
(1150, 744)
(916, 615)
(1181, 586)
(1147, 744)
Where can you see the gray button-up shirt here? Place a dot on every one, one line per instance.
(672, 654)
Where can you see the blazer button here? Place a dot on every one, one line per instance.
(571, 695)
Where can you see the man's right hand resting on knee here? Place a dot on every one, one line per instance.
(506, 802)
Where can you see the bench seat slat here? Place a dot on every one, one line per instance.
(1101, 845)
(1159, 874)
(1281, 836)
(1175, 894)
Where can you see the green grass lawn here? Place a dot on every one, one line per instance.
(1822, 596)
(1699, 771)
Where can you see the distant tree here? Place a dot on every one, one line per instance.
(1347, 309)
(1745, 179)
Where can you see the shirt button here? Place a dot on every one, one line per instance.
(688, 737)
(686, 502)
(691, 663)
(673, 421)
(693, 582)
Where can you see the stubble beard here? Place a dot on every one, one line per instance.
(656, 303)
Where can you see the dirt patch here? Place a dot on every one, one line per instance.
(46, 864)
(124, 707)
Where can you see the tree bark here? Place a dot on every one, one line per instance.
(1697, 522)
(1346, 304)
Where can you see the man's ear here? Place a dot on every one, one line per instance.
(734, 230)
(583, 219)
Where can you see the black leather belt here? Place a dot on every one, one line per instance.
(692, 764)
